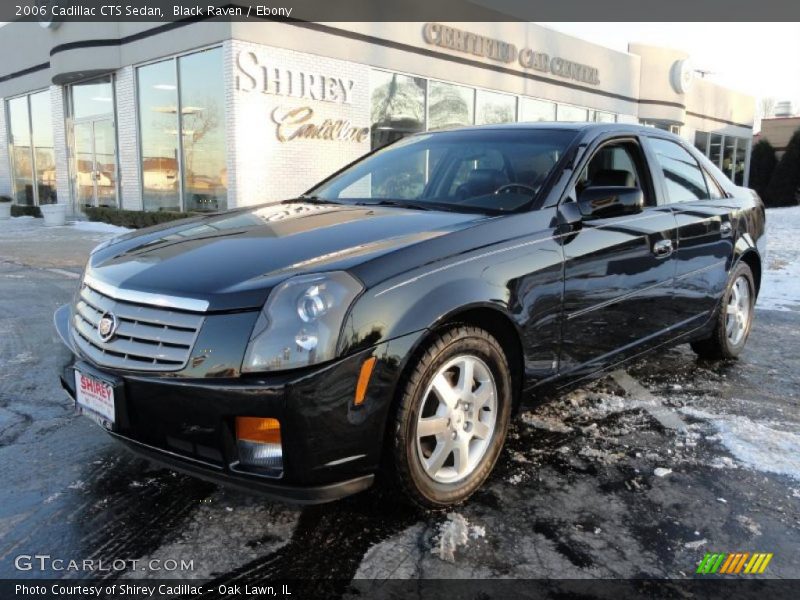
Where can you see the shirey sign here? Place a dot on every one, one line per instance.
(300, 122)
(481, 46)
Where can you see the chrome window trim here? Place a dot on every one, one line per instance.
(160, 300)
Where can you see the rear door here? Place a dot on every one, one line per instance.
(618, 272)
(705, 230)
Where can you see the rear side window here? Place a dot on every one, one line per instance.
(714, 191)
(685, 180)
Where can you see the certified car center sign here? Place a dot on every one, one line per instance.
(481, 46)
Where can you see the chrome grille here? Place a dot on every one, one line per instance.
(147, 338)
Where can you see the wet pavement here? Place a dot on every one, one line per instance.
(634, 475)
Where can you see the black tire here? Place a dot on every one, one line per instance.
(451, 344)
(719, 345)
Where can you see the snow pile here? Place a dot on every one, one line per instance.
(453, 533)
(545, 423)
(780, 288)
(749, 524)
(97, 227)
(755, 444)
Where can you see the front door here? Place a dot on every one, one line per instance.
(95, 170)
(618, 271)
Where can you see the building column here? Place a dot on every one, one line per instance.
(60, 148)
(5, 159)
(130, 182)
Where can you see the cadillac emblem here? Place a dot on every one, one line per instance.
(107, 326)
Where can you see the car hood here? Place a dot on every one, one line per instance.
(232, 260)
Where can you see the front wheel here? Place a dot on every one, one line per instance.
(452, 417)
(734, 317)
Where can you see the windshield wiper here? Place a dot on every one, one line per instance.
(400, 203)
(311, 199)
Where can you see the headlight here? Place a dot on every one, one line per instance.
(300, 322)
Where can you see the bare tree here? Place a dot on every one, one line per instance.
(765, 107)
(198, 123)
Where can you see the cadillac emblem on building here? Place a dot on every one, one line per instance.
(107, 326)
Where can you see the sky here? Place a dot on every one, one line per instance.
(760, 59)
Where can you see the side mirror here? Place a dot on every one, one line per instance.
(602, 202)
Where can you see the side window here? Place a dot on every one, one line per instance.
(685, 180)
(714, 191)
(615, 164)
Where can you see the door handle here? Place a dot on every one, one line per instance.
(725, 228)
(663, 248)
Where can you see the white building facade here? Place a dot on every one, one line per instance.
(213, 115)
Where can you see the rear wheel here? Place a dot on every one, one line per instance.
(734, 318)
(452, 418)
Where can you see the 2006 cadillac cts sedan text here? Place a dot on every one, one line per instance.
(392, 318)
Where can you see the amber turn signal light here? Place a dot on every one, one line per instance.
(363, 380)
(258, 429)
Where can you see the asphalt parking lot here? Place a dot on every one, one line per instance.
(638, 474)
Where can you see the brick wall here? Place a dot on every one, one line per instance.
(261, 167)
(128, 140)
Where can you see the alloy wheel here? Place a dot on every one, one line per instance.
(457, 419)
(738, 311)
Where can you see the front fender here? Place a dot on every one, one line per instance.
(61, 321)
(414, 305)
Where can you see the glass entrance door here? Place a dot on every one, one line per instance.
(95, 163)
(105, 161)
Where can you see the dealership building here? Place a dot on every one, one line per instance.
(208, 115)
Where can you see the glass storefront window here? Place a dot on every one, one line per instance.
(450, 105)
(92, 98)
(33, 172)
(531, 110)
(203, 131)
(183, 147)
(729, 156)
(398, 107)
(701, 141)
(604, 117)
(726, 152)
(158, 122)
(495, 108)
(571, 113)
(715, 148)
(741, 161)
(44, 157)
(21, 158)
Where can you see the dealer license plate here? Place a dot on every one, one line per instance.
(95, 398)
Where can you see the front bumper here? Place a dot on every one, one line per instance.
(331, 448)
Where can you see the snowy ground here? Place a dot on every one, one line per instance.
(780, 289)
(635, 475)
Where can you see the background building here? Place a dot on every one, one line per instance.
(209, 115)
(778, 131)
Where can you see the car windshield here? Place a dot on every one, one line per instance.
(481, 170)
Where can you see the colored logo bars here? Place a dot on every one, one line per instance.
(734, 563)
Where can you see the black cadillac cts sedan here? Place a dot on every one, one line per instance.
(392, 318)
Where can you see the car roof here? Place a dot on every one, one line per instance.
(587, 130)
(564, 125)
